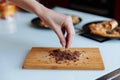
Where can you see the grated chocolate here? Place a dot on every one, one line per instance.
(65, 55)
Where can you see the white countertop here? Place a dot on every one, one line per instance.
(18, 36)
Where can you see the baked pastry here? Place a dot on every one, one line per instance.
(117, 29)
(106, 29)
(75, 19)
(43, 24)
(109, 25)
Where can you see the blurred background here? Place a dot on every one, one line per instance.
(107, 8)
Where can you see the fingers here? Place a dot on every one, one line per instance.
(69, 39)
(60, 35)
(70, 32)
(59, 29)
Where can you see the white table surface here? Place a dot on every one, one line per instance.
(18, 36)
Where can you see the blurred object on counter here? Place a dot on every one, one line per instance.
(7, 9)
(1, 4)
(1, 1)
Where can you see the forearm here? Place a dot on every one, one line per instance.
(31, 5)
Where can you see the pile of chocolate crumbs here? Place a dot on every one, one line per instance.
(65, 55)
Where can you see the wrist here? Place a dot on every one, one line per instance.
(41, 11)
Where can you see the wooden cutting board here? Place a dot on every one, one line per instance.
(39, 58)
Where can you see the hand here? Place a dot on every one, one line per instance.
(61, 25)
(56, 21)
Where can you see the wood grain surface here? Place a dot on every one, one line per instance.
(38, 58)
